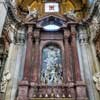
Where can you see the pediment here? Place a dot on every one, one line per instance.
(61, 21)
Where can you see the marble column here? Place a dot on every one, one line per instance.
(79, 83)
(3, 14)
(68, 65)
(92, 32)
(23, 88)
(13, 65)
(75, 54)
(28, 57)
(35, 62)
(36, 57)
(67, 55)
(87, 61)
(19, 59)
(80, 58)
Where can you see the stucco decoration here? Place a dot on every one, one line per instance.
(5, 80)
(32, 13)
(71, 14)
(96, 79)
(95, 23)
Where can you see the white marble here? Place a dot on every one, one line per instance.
(18, 66)
(15, 65)
(80, 59)
(88, 64)
(10, 65)
(3, 13)
(93, 49)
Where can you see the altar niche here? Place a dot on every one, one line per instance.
(51, 69)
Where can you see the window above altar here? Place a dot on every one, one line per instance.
(51, 27)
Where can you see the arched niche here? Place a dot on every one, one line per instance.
(51, 71)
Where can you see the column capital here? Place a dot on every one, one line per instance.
(20, 37)
(66, 33)
(29, 31)
(83, 35)
(30, 28)
(73, 29)
(36, 33)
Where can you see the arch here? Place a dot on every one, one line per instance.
(52, 43)
(51, 67)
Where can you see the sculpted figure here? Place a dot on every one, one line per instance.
(96, 79)
(32, 13)
(95, 24)
(5, 79)
(71, 13)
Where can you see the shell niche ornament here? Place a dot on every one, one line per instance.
(96, 79)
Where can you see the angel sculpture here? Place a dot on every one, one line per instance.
(95, 24)
(32, 13)
(96, 79)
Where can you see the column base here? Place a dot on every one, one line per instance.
(22, 98)
(82, 99)
(71, 90)
(58, 99)
(23, 90)
(81, 93)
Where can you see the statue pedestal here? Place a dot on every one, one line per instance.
(81, 90)
(23, 90)
(71, 91)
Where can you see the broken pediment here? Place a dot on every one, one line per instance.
(51, 20)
